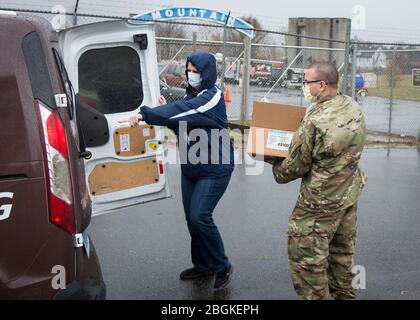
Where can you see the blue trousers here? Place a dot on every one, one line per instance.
(200, 198)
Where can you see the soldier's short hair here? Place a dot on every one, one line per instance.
(325, 71)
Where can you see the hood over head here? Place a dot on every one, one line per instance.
(205, 63)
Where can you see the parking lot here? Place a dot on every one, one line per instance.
(143, 249)
(405, 114)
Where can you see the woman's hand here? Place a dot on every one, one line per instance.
(134, 120)
(162, 100)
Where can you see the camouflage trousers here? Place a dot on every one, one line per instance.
(321, 247)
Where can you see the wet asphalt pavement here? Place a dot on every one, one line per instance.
(144, 248)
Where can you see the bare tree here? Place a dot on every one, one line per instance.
(236, 36)
(169, 30)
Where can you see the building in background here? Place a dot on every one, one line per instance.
(372, 60)
(326, 28)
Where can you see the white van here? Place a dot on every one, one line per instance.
(113, 69)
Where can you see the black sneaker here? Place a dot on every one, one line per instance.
(193, 273)
(223, 278)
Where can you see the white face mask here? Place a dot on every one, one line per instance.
(194, 79)
(307, 94)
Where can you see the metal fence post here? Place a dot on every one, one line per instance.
(75, 13)
(222, 80)
(346, 57)
(194, 41)
(245, 80)
(391, 99)
(301, 80)
(283, 74)
(353, 71)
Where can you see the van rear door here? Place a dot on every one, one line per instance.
(113, 68)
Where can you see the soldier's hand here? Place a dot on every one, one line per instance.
(134, 120)
(271, 160)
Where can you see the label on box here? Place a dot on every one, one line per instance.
(279, 140)
(124, 142)
(146, 132)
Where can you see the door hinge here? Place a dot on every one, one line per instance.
(78, 240)
(141, 39)
(82, 240)
(61, 100)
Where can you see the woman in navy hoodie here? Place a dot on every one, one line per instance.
(206, 172)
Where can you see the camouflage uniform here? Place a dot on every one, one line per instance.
(325, 152)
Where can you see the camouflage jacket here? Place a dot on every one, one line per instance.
(325, 152)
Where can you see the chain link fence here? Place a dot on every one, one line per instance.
(384, 80)
(387, 87)
(275, 70)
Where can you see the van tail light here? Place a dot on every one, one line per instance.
(160, 167)
(61, 209)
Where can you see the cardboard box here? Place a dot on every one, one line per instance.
(272, 129)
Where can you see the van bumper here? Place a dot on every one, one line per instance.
(89, 283)
(93, 289)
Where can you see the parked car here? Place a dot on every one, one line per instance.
(233, 68)
(277, 70)
(64, 155)
(171, 94)
(293, 78)
(173, 74)
(261, 73)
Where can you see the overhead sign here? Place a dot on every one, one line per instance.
(416, 77)
(196, 14)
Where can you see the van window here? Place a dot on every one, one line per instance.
(110, 79)
(37, 69)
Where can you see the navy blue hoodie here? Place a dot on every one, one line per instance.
(203, 109)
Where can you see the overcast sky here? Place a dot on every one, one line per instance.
(385, 20)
